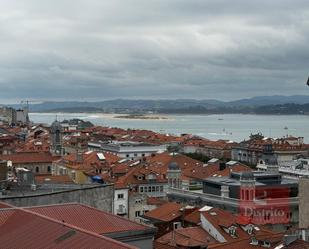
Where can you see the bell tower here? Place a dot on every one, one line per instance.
(174, 175)
(56, 136)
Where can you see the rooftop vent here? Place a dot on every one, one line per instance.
(101, 156)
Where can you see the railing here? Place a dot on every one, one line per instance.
(292, 201)
(121, 211)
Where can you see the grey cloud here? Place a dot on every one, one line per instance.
(97, 49)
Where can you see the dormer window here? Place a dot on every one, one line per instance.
(232, 231)
(140, 178)
(249, 229)
(266, 244)
(254, 241)
(151, 177)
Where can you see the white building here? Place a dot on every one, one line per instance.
(121, 201)
(127, 149)
(292, 168)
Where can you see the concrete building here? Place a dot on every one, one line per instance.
(127, 149)
(36, 162)
(100, 196)
(56, 136)
(22, 116)
(121, 200)
(8, 115)
(257, 191)
(279, 150)
(293, 169)
(304, 207)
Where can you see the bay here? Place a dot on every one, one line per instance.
(235, 127)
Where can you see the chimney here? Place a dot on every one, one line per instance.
(222, 166)
(79, 157)
(289, 239)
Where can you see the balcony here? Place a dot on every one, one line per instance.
(121, 211)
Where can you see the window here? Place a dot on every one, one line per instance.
(141, 189)
(161, 188)
(127, 155)
(48, 169)
(120, 196)
(73, 174)
(135, 154)
(137, 213)
(37, 170)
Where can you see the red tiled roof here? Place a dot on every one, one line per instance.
(155, 201)
(5, 205)
(239, 167)
(165, 158)
(23, 229)
(35, 145)
(89, 161)
(194, 217)
(276, 241)
(131, 177)
(223, 219)
(88, 218)
(167, 212)
(209, 170)
(187, 237)
(220, 218)
(40, 179)
(29, 157)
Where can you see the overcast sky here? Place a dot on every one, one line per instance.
(103, 49)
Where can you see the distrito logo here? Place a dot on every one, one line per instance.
(264, 205)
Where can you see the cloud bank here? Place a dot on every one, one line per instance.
(98, 49)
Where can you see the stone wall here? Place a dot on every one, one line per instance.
(100, 196)
(303, 202)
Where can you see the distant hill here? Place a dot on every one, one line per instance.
(271, 100)
(251, 105)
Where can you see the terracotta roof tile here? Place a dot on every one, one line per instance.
(29, 157)
(83, 216)
(65, 179)
(194, 217)
(167, 212)
(24, 229)
(187, 237)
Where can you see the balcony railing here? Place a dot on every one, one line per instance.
(292, 201)
(121, 211)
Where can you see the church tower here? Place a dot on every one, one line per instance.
(174, 175)
(56, 134)
(247, 186)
